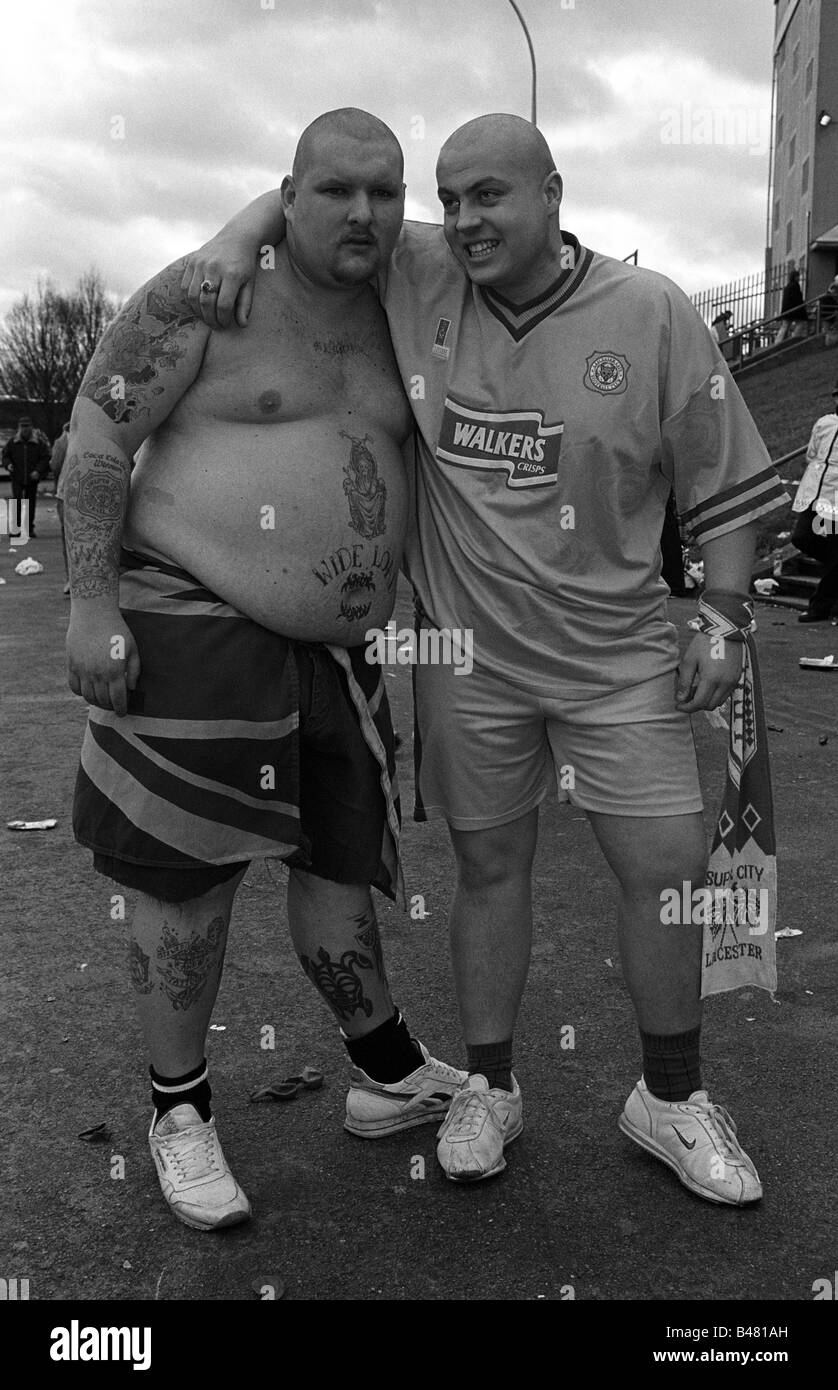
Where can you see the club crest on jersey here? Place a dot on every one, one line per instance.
(516, 442)
(607, 373)
(440, 347)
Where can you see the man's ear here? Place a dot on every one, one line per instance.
(552, 190)
(288, 192)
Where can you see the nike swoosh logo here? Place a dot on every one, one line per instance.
(686, 1144)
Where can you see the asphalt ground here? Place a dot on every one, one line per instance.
(580, 1213)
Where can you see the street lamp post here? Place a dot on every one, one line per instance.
(532, 56)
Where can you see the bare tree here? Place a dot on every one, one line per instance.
(47, 341)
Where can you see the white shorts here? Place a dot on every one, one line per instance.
(487, 752)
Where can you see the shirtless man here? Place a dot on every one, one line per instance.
(232, 713)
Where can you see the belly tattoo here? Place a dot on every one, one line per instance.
(360, 568)
(356, 595)
(365, 491)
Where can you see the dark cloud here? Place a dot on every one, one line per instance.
(214, 93)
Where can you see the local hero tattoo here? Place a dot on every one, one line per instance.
(357, 566)
(95, 503)
(137, 348)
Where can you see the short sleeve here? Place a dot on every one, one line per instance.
(420, 252)
(711, 449)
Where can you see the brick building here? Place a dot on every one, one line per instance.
(803, 189)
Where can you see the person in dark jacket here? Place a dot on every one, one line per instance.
(27, 459)
(792, 309)
(829, 313)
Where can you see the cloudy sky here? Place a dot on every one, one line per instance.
(133, 128)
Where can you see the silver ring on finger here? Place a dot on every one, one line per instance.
(207, 287)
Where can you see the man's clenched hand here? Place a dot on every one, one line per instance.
(225, 263)
(103, 663)
(708, 673)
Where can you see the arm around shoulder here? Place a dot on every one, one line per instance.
(228, 262)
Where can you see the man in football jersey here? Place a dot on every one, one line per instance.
(558, 395)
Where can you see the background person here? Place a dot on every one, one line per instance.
(829, 314)
(793, 314)
(720, 327)
(816, 500)
(26, 457)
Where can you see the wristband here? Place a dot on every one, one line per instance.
(723, 613)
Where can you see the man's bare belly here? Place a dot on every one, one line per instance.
(299, 525)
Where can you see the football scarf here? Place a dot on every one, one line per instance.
(740, 908)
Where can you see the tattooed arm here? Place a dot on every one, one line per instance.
(148, 358)
(230, 259)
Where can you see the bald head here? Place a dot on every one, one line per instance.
(344, 202)
(505, 137)
(501, 196)
(346, 125)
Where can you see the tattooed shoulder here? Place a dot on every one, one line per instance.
(146, 340)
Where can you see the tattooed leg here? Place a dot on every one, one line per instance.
(335, 935)
(176, 957)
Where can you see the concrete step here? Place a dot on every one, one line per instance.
(766, 358)
(782, 601)
(800, 585)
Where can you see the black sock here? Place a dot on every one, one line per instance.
(388, 1053)
(191, 1089)
(492, 1060)
(672, 1064)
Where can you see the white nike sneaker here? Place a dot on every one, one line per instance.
(477, 1128)
(697, 1139)
(193, 1172)
(374, 1110)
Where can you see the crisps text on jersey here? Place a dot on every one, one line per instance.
(516, 441)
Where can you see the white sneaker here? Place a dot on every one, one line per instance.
(477, 1128)
(193, 1172)
(697, 1139)
(374, 1110)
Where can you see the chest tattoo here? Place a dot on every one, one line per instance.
(332, 347)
